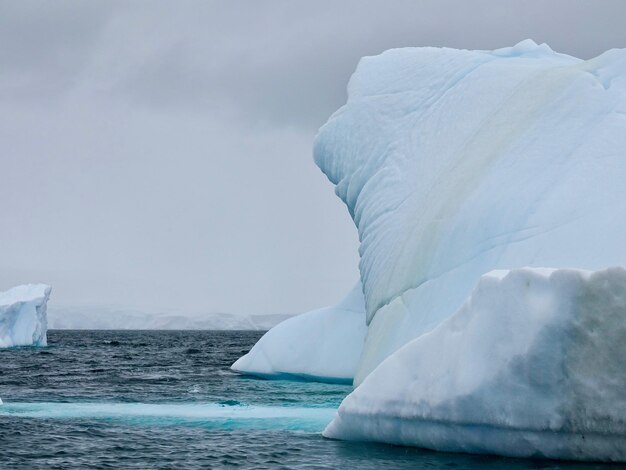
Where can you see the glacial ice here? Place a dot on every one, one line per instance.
(453, 163)
(323, 345)
(23, 316)
(466, 172)
(532, 365)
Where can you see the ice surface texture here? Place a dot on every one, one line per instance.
(323, 345)
(23, 316)
(453, 163)
(531, 365)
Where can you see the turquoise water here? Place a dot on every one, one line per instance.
(132, 399)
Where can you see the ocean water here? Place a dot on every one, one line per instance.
(167, 399)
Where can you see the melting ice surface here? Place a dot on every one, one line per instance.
(455, 163)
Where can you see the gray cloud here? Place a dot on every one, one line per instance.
(282, 62)
(156, 155)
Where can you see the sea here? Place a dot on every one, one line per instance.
(168, 400)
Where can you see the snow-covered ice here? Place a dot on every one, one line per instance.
(322, 345)
(23, 316)
(531, 365)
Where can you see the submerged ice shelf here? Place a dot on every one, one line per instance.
(23, 319)
(212, 415)
(452, 164)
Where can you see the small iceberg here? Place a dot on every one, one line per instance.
(23, 320)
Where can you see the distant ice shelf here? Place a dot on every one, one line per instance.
(105, 318)
(23, 319)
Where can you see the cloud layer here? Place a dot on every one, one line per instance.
(156, 155)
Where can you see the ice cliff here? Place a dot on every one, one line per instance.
(455, 163)
(23, 316)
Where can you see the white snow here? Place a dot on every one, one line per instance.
(454, 162)
(23, 316)
(323, 345)
(532, 365)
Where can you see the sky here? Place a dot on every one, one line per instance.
(156, 155)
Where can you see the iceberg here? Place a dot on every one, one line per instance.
(532, 365)
(453, 163)
(467, 173)
(23, 319)
(323, 345)
(457, 163)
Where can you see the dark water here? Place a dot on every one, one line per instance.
(167, 399)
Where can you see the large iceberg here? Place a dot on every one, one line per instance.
(23, 319)
(453, 163)
(323, 345)
(467, 172)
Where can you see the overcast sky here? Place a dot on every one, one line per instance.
(157, 155)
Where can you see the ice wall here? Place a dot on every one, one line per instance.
(453, 163)
(23, 319)
(532, 365)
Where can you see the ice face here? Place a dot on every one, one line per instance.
(532, 365)
(23, 316)
(453, 163)
(323, 345)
